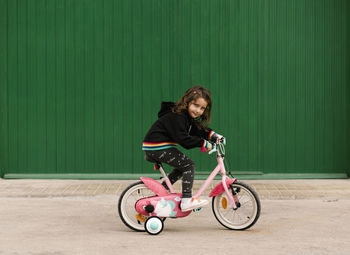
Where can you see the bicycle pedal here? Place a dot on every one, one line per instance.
(197, 209)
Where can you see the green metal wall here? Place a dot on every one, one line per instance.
(81, 82)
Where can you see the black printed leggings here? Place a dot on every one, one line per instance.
(183, 167)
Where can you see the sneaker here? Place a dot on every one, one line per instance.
(188, 204)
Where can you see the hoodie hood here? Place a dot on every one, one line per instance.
(165, 108)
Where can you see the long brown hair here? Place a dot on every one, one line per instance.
(193, 94)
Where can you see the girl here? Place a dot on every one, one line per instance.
(186, 123)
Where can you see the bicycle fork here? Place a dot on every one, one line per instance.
(232, 196)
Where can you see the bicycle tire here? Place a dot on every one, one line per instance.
(248, 212)
(126, 209)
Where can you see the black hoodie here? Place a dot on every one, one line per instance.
(172, 128)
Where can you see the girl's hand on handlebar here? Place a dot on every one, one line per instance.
(210, 147)
(213, 149)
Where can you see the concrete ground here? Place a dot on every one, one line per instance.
(56, 217)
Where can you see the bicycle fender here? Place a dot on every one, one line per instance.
(220, 188)
(155, 186)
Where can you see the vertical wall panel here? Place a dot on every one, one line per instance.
(82, 81)
(4, 135)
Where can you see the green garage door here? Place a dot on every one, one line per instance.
(82, 81)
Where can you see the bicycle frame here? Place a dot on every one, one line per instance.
(216, 191)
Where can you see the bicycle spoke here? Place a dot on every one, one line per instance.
(227, 212)
(238, 214)
(233, 216)
(142, 194)
(134, 197)
(250, 202)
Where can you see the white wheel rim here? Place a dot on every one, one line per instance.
(240, 218)
(128, 207)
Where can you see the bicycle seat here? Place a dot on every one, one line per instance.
(157, 164)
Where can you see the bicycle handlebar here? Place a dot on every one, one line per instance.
(215, 145)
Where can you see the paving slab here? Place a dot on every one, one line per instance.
(267, 189)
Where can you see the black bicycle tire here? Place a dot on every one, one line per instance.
(119, 207)
(120, 202)
(258, 205)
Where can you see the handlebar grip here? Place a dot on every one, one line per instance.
(223, 140)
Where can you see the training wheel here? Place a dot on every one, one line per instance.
(154, 225)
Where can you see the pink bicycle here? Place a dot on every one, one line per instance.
(144, 205)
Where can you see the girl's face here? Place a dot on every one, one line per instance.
(197, 107)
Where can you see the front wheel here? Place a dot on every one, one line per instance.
(248, 208)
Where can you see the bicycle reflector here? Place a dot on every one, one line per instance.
(224, 203)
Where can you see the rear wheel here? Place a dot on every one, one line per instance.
(247, 212)
(126, 205)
